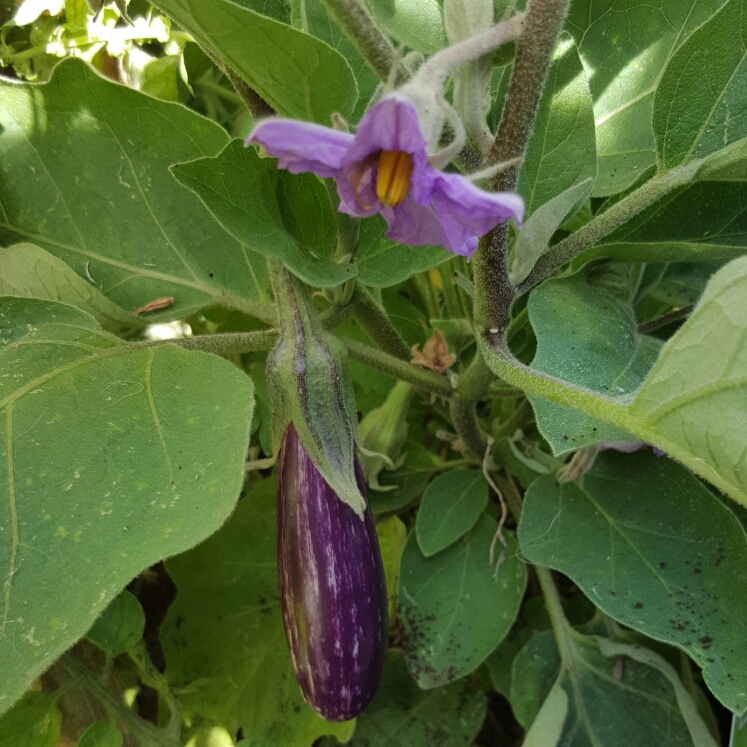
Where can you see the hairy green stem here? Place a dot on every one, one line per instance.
(510, 493)
(464, 419)
(472, 386)
(494, 293)
(258, 107)
(146, 733)
(232, 343)
(664, 319)
(399, 369)
(603, 225)
(361, 29)
(560, 626)
(377, 325)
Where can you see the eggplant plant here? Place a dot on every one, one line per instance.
(373, 373)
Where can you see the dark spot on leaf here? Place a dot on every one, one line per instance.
(706, 641)
(662, 564)
(210, 274)
(638, 605)
(613, 593)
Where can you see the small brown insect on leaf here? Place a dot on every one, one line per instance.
(159, 303)
(435, 355)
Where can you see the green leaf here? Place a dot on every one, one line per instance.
(560, 165)
(76, 12)
(738, 731)
(534, 237)
(561, 152)
(392, 535)
(683, 283)
(382, 263)
(297, 74)
(692, 120)
(120, 626)
(281, 215)
(625, 48)
(451, 506)
(223, 636)
(101, 734)
(417, 24)
(586, 334)
(533, 619)
(704, 222)
(551, 717)
(154, 465)
(403, 714)
(33, 722)
(457, 606)
(695, 405)
(409, 480)
(84, 175)
(653, 549)
(642, 704)
(156, 76)
(321, 25)
(533, 675)
(30, 272)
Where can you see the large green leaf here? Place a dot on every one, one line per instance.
(654, 549)
(457, 606)
(281, 215)
(223, 636)
(31, 272)
(320, 24)
(594, 702)
(418, 24)
(111, 458)
(451, 506)
(33, 722)
(704, 222)
(560, 164)
(403, 714)
(695, 404)
(625, 47)
(561, 151)
(586, 334)
(84, 175)
(691, 405)
(699, 107)
(297, 74)
(382, 262)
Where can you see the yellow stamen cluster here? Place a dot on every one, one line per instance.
(393, 180)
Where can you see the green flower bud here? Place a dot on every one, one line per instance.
(309, 384)
(383, 433)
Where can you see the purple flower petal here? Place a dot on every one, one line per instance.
(413, 224)
(301, 146)
(466, 212)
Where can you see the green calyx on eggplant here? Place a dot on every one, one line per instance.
(309, 385)
(332, 588)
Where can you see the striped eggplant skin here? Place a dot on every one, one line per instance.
(332, 588)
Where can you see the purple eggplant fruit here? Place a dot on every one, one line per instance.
(332, 588)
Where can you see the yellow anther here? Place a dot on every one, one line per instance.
(393, 179)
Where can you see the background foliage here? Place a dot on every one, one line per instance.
(124, 186)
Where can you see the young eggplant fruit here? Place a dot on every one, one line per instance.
(332, 588)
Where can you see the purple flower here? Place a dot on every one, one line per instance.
(384, 168)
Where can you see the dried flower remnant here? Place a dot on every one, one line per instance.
(435, 356)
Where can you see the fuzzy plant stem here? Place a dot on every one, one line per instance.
(361, 29)
(604, 224)
(541, 27)
(375, 322)
(472, 386)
